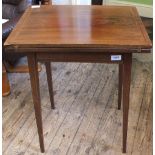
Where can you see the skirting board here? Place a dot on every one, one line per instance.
(143, 9)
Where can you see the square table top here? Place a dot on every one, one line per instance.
(106, 27)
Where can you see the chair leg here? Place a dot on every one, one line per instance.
(120, 86)
(49, 80)
(5, 82)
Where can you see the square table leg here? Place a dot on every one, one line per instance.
(127, 63)
(34, 78)
(49, 80)
(120, 83)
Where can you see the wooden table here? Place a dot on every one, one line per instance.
(95, 34)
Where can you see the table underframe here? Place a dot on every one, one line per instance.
(88, 57)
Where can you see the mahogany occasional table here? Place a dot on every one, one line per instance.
(95, 34)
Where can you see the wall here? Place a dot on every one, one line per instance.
(147, 2)
(71, 2)
(144, 7)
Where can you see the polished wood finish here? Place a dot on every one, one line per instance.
(104, 27)
(5, 82)
(20, 69)
(78, 57)
(120, 85)
(50, 85)
(126, 93)
(33, 70)
(79, 34)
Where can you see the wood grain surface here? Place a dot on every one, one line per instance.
(112, 27)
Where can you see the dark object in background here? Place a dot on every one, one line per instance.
(96, 2)
(148, 23)
(40, 1)
(36, 1)
(93, 2)
(12, 10)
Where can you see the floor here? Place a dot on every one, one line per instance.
(86, 120)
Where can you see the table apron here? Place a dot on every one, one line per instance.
(79, 57)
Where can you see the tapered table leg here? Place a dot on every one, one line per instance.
(33, 71)
(120, 85)
(49, 80)
(127, 63)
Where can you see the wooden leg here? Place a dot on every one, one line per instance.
(33, 70)
(18, 68)
(120, 85)
(5, 82)
(127, 63)
(49, 80)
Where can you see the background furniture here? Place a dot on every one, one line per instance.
(96, 2)
(12, 10)
(93, 2)
(41, 1)
(5, 85)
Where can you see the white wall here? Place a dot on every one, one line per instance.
(71, 2)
